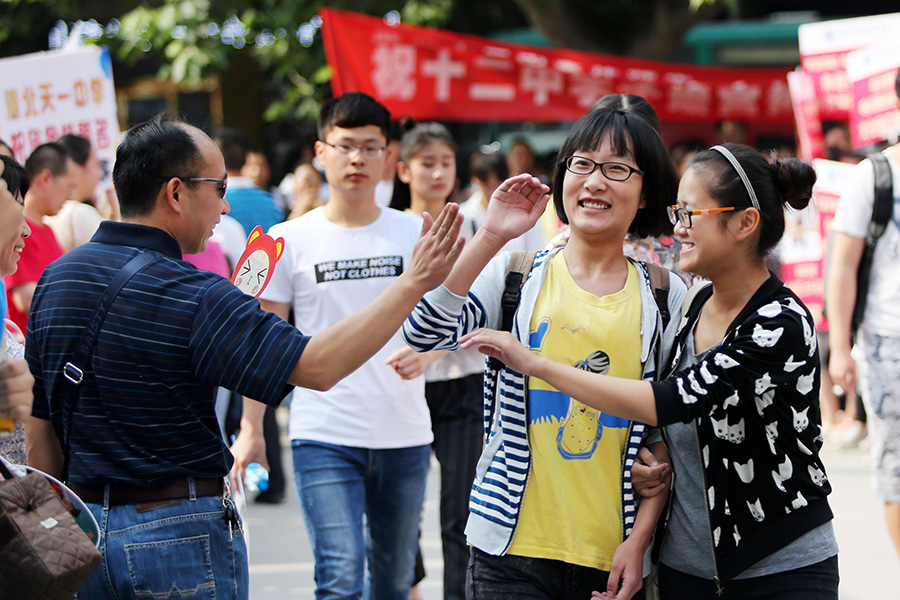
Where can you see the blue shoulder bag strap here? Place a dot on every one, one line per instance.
(74, 369)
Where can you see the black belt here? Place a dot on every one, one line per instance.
(123, 493)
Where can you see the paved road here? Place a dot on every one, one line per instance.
(281, 565)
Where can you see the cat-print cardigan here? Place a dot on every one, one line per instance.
(755, 399)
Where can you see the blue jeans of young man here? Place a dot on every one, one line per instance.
(192, 548)
(361, 507)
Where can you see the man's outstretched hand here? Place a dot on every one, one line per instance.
(437, 249)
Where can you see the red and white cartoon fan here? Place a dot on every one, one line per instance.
(257, 263)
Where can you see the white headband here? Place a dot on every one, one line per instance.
(740, 171)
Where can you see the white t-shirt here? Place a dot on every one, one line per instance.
(475, 213)
(853, 215)
(329, 272)
(75, 224)
(230, 235)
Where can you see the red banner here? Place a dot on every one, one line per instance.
(433, 74)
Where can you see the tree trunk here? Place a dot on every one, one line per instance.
(653, 30)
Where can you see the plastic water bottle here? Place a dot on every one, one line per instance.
(256, 478)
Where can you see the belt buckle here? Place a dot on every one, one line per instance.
(73, 373)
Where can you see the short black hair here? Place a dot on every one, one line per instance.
(235, 145)
(399, 127)
(628, 135)
(352, 110)
(50, 156)
(14, 176)
(79, 147)
(636, 104)
(484, 164)
(159, 148)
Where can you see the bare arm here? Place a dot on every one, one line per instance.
(626, 573)
(840, 286)
(626, 398)
(336, 352)
(250, 445)
(342, 348)
(16, 385)
(42, 449)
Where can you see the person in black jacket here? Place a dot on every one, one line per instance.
(749, 516)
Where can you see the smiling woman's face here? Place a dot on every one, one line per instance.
(14, 232)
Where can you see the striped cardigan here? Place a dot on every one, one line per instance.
(442, 317)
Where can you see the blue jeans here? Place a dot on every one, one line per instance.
(192, 548)
(361, 506)
(509, 576)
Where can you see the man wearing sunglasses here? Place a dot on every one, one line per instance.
(140, 430)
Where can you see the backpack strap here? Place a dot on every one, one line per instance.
(882, 208)
(520, 264)
(659, 283)
(691, 294)
(884, 196)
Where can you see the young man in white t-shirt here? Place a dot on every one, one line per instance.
(877, 351)
(361, 449)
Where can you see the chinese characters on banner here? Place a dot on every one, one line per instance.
(48, 94)
(432, 74)
(872, 73)
(853, 80)
(823, 55)
(810, 138)
(802, 249)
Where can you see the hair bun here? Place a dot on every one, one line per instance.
(794, 180)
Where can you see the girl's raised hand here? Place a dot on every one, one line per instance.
(516, 206)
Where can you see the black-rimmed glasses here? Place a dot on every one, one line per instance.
(614, 171)
(223, 183)
(682, 215)
(348, 150)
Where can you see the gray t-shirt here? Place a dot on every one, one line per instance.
(688, 544)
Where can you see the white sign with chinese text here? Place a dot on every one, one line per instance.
(48, 94)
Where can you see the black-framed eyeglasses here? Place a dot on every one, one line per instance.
(349, 150)
(614, 171)
(682, 215)
(223, 183)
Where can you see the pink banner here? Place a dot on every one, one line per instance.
(810, 139)
(872, 72)
(824, 47)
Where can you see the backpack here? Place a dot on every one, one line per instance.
(882, 208)
(520, 264)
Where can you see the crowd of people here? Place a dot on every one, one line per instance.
(651, 396)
